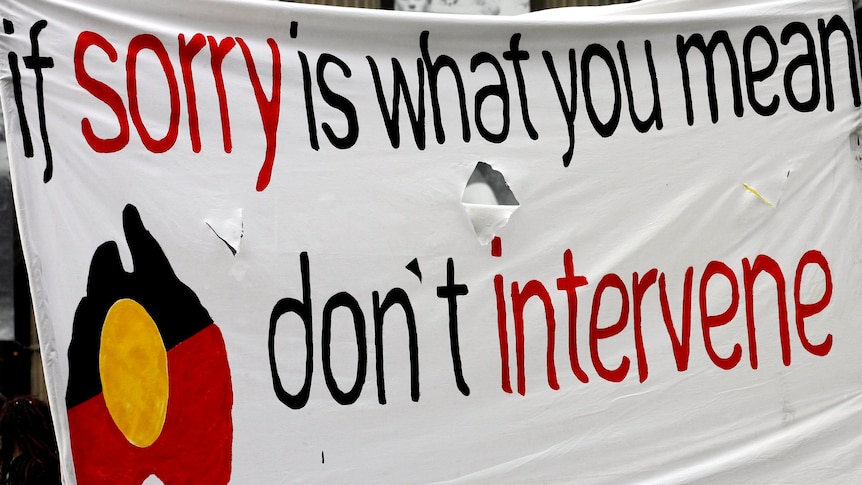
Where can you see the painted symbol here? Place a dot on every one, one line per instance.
(149, 389)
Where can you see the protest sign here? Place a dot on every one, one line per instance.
(251, 262)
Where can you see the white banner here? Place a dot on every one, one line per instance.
(251, 260)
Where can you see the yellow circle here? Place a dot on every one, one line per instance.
(133, 365)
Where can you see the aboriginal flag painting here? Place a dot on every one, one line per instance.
(149, 388)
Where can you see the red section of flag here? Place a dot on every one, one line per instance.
(195, 443)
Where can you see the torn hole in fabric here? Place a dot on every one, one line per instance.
(488, 201)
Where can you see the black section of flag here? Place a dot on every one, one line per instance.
(173, 306)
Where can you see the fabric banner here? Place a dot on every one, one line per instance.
(252, 259)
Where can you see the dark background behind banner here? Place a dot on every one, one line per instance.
(20, 361)
(534, 4)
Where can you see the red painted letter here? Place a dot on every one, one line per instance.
(805, 310)
(596, 333)
(188, 51)
(569, 283)
(749, 274)
(269, 108)
(519, 300)
(218, 51)
(711, 321)
(151, 42)
(639, 288)
(681, 343)
(502, 333)
(102, 92)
